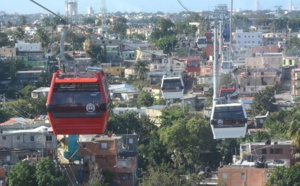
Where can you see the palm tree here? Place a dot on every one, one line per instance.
(141, 68)
(42, 37)
(19, 34)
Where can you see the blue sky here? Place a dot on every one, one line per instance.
(26, 6)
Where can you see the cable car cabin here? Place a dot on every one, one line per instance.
(226, 67)
(227, 90)
(228, 120)
(78, 104)
(192, 65)
(201, 42)
(172, 87)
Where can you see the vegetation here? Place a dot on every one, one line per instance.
(97, 53)
(283, 176)
(145, 99)
(141, 69)
(264, 101)
(44, 173)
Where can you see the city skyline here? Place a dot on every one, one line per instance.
(170, 6)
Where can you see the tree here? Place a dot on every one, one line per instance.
(161, 175)
(97, 54)
(145, 99)
(283, 176)
(141, 69)
(26, 91)
(47, 173)
(22, 173)
(225, 79)
(3, 39)
(294, 132)
(264, 101)
(166, 44)
(120, 28)
(23, 20)
(19, 34)
(42, 36)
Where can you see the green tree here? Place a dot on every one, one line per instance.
(283, 176)
(89, 20)
(23, 20)
(25, 93)
(167, 44)
(42, 36)
(141, 68)
(278, 124)
(4, 114)
(145, 99)
(264, 101)
(294, 132)
(22, 173)
(76, 39)
(120, 28)
(97, 54)
(225, 79)
(48, 174)
(161, 175)
(19, 34)
(3, 39)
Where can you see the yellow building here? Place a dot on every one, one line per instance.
(113, 71)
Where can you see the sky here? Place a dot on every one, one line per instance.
(171, 6)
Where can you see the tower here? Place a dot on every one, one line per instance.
(256, 5)
(71, 10)
(290, 5)
(104, 27)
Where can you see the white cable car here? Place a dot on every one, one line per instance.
(228, 120)
(226, 67)
(172, 87)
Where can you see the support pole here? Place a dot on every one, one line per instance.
(215, 65)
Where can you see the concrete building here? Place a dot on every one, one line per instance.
(248, 39)
(116, 153)
(254, 164)
(19, 144)
(40, 92)
(8, 52)
(295, 81)
(28, 47)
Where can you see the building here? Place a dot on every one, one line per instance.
(28, 47)
(254, 164)
(248, 39)
(19, 144)
(8, 52)
(295, 81)
(113, 153)
(40, 92)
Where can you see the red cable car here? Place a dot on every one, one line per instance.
(226, 90)
(193, 64)
(79, 103)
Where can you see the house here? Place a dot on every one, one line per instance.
(255, 163)
(294, 84)
(17, 144)
(8, 52)
(40, 92)
(113, 153)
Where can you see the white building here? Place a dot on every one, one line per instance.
(90, 11)
(28, 47)
(248, 39)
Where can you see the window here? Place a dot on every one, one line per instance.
(48, 138)
(264, 151)
(224, 175)
(130, 140)
(276, 151)
(104, 146)
(31, 138)
(84, 145)
(4, 137)
(243, 175)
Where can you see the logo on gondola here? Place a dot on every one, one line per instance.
(90, 107)
(220, 122)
